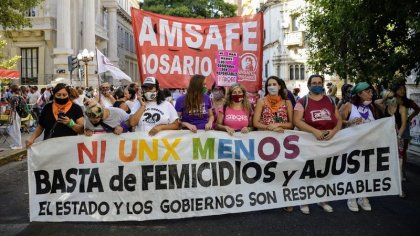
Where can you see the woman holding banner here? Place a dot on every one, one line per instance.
(317, 113)
(155, 113)
(59, 118)
(274, 111)
(236, 114)
(194, 108)
(357, 111)
(104, 120)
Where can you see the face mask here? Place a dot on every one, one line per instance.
(218, 95)
(317, 89)
(273, 90)
(150, 96)
(204, 90)
(367, 103)
(237, 97)
(61, 101)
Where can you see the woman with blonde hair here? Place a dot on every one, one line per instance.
(194, 108)
(236, 114)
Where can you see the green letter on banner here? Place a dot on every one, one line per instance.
(199, 150)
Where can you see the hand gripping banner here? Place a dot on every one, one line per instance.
(226, 51)
(178, 174)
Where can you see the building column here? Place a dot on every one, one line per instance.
(63, 44)
(111, 7)
(88, 39)
(89, 25)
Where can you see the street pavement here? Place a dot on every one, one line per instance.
(391, 215)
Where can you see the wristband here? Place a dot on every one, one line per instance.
(71, 124)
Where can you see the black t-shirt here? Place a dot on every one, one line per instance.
(47, 121)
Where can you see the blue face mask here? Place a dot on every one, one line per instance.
(317, 89)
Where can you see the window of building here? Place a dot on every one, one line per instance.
(295, 23)
(297, 72)
(29, 65)
(31, 12)
(105, 19)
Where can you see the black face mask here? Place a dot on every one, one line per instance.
(61, 101)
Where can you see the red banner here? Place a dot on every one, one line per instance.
(9, 74)
(226, 51)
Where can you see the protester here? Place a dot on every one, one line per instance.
(316, 113)
(33, 97)
(168, 96)
(357, 111)
(74, 97)
(236, 114)
(132, 99)
(345, 95)
(393, 107)
(274, 111)
(59, 118)
(14, 129)
(105, 99)
(217, 100)
(332, 92)
(289, 94)
(400, 92)
(120, 100)
(296, 92)
(194, 108)
(156, 114)
(104, 120)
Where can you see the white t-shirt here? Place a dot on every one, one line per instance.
(106, 102)
(133, 105)
(33, 97)
(155, 114)
(116, 116)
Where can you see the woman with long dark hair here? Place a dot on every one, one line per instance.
(60, 118)
(155, 113)
(274, 111)
(194, 108)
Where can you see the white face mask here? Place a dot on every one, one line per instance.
(273, 90)
(150, 96)
(367, 103)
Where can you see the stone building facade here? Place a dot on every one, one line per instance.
(61, 28)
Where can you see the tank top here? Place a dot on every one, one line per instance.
(363, 112)
(320, 114)
(269, 117)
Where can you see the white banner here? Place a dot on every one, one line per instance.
(178, 174)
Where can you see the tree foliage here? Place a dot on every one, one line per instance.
(7, 63)
(369, 40)
(12, 13)
(191, 8)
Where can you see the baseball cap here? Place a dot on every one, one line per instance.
(149, 81)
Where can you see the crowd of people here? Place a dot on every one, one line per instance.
(68, 111)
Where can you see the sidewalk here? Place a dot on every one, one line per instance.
(8, 155)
